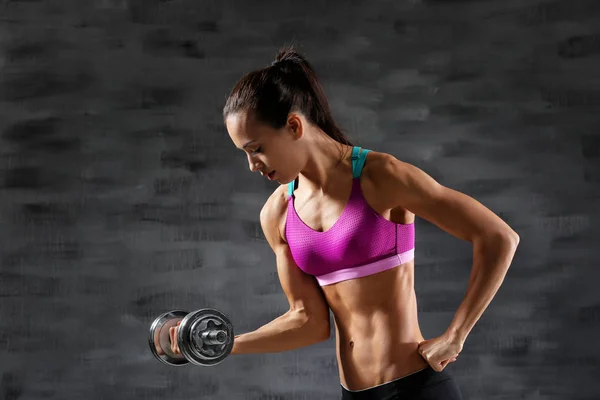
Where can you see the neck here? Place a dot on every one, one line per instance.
(326, 160)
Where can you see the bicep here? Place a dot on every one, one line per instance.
(302, 290)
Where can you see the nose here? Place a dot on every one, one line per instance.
(252, 164)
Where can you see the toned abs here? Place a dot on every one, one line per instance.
(377, 331)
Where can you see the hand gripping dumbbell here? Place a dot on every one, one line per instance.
(205, 337)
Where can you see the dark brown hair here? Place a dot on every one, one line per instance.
(288, 85)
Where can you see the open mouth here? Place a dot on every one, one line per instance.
(271, 175)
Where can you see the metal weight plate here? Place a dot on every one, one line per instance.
(159, 340)
(205, 337)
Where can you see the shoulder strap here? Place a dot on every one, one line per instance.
(292, 187)
(358, 160)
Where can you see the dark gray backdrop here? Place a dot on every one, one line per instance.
(122, 197)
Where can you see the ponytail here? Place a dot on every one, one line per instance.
(288, 85)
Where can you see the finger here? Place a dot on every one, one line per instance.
(173, 336)
(176, 334)
(445, 363)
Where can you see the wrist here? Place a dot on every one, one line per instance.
(235, 347)
(456, 335)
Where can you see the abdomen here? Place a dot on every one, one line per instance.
(377, 327)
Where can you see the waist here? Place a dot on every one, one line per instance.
(364, 367)
(423, 383)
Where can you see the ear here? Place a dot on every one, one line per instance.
(295, 125)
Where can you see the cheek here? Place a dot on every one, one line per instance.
(288, 161)
(284, 156)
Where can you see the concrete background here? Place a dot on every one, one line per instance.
(122, 197)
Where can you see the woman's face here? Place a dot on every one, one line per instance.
(276, 153)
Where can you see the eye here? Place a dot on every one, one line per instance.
(257, 150)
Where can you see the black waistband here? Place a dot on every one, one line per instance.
(407, 384)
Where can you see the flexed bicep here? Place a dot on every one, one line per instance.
(302, 291)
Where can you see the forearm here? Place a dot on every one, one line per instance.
(491, 259)
(288, 332)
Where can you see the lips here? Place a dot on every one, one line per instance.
(271, 175)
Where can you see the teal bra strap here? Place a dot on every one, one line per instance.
(358, 160)
(291, 188)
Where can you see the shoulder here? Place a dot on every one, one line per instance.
(272, 215)
(396, 180)
(382, 168)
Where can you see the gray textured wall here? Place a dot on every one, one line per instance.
(121, 196)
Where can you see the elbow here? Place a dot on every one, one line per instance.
(508, 240)
(324, 330)
(505, 240)
(513, 239)
(505, 234)
(320, 328)
(317, 327)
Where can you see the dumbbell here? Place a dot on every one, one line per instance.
(205, 337)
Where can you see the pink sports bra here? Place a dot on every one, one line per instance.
(360, 243)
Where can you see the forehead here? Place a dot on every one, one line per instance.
(242, 128)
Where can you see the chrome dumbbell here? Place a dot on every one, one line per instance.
(205, 337)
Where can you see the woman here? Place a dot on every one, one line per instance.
(342, 227)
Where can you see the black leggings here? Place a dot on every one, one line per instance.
(426, 384)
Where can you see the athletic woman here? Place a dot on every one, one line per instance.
(342, 228)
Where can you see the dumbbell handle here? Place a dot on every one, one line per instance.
(214, 336)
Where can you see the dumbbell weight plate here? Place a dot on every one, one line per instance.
(205, 337)
(159, 340)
